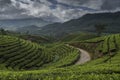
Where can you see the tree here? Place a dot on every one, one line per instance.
(100, 28)
(27, 32)
(2, 31)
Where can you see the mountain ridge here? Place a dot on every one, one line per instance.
(85, 23)
(13, 24)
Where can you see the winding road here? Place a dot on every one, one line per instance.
(84, 57)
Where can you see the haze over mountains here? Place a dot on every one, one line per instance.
(51, 10)
(85, 23)
(13, 24)
(59, 39)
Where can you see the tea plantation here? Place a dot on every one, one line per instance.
(24, 60)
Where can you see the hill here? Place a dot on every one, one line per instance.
(35, 38)
(26, 36)
(84, 23)
(61, 58)
(13, 24)
(31, 29)
(19, 54)
(78, 37)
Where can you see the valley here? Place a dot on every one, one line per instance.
(59, 39)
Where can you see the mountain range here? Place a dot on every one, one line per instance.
(13, 24)
(85, 23)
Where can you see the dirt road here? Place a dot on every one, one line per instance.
(84, 57)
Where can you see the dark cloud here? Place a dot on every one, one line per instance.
(87, 3)
(73, 2)
(110, 4)
(56, 10)
(4, 2)
(13, 10)
(97, 4)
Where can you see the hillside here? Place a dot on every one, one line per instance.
(78, 37)
(35, 38)
(31, 29)
(26, 36)
(84, 23)
(56, 61)
(59, 39)
(14, 24)
(19, 54)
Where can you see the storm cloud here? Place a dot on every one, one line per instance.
(54, 10)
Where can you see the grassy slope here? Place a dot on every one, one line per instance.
(33, 38)
(77, 37)
(105, 68)
(19, 54)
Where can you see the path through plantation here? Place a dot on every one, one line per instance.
(84, 57)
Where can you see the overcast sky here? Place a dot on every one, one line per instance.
(54, 10)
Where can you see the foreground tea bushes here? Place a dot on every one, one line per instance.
(57, 60)
(18, 54)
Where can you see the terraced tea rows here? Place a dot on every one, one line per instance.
(105, 68)
(100, 46)
(64, 56)
(19, 54)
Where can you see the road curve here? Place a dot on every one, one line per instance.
(84, 57)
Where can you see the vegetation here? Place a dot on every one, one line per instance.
(78, 37)
(18, 54)
(85, 23)
(100, 28)
(2, 31)
(25, 60)
(35, 38)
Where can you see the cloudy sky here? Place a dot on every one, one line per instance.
(54, 10)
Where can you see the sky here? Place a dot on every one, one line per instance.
(55, 10)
